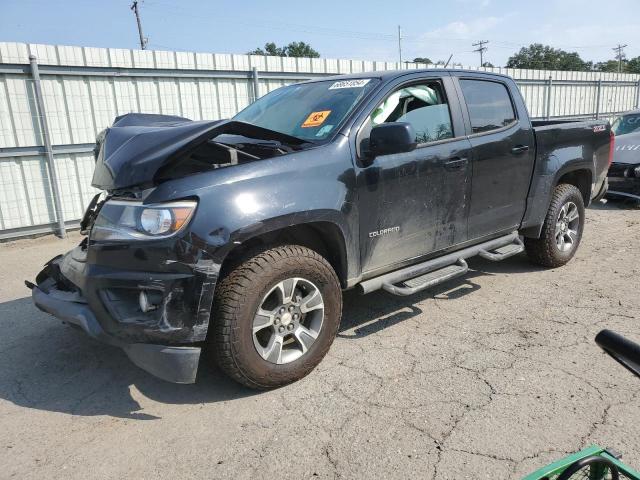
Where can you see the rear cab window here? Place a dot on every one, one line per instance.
(489, 105)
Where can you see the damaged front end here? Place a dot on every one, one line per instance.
(158, 317)
(137, 281)
(144, 277)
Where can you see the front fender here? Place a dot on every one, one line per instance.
(241, 202)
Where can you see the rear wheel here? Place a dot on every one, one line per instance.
(275, 316)
(562, 229)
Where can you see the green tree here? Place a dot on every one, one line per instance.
(628, 66)
(488, 64)
(422, 60)
(293, 49)
(301, 49)
(633, 65)
(544, 57)
(609, 66)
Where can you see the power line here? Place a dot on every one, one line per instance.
(143, 40)
(620, 56)
(481, 48)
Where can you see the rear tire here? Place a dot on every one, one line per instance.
(561, 231)
(275, 316)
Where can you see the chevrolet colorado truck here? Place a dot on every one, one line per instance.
(240, 235)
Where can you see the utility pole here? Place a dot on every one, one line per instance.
(143, 40)
(620, 56)
(400, 46)
(481, 48)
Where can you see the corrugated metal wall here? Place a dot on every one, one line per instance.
(85, 88)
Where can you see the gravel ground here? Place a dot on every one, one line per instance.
(489, 376)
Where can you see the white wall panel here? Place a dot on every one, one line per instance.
(79, 114)
(189, 99)
(148, 95)
(23, 111)
(96, 57)
(169, 97)
(103, 101)
(56, 109)
(7, 133)
(14, 209)
(125, 95)
(36, 183)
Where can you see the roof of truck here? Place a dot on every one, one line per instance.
(390, 74)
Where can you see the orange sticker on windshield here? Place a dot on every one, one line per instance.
(316, 119)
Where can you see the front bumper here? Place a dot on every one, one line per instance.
(97, 290)
(171, 363)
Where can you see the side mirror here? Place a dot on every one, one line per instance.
(388, 138)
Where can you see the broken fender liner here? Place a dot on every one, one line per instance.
(173, 364)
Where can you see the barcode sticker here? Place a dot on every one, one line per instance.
(350, 84)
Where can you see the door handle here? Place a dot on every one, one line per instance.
(456, 163)
(520, 149)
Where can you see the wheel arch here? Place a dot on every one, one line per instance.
(324, 237)
(581, 178)
(577, 173)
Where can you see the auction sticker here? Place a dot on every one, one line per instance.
(315, 119)
(350, 83)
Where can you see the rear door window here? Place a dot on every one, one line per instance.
(489, 105)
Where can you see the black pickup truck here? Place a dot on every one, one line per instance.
(241, 234)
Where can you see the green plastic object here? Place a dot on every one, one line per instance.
(594, 471)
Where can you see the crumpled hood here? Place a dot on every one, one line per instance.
(627, 149)
(137, 145)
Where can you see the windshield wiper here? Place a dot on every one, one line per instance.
(260, 133)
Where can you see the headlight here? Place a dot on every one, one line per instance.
(131, 220)
(637, 171)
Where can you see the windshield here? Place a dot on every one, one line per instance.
(626, 124)
(311, 111)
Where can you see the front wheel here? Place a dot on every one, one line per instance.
(275, 316)
(561, 231)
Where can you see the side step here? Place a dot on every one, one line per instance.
(416, 278)
(501, 253)
(428, 280)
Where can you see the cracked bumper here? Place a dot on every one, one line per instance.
(98, 290)
(176, 364)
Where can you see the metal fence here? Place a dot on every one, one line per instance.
(52, 108)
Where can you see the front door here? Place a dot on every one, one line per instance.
(415, 203)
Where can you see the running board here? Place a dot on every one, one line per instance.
(501, 253)
(415, 278)
(428, 280)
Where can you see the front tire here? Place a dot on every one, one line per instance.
(275, 316)
(561, 231)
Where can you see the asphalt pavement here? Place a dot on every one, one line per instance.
(489, 376)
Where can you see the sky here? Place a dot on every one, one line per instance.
(337, 29)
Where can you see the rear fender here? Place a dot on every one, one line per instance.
(546, 178)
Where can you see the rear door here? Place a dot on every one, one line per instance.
(502, 140)
(414, 203)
